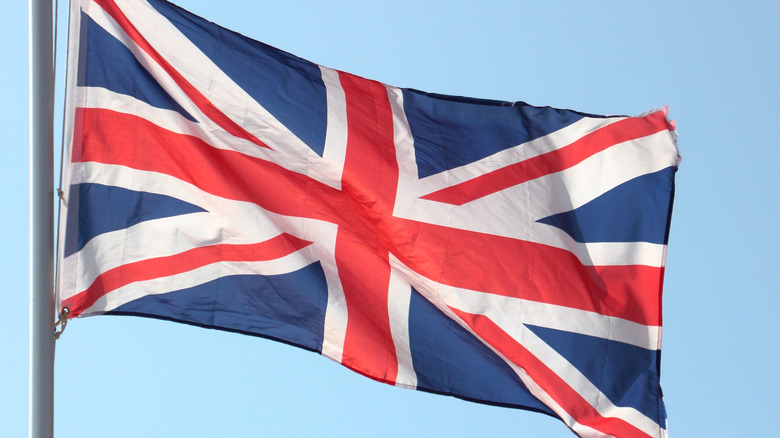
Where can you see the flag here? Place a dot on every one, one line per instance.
(495, 251)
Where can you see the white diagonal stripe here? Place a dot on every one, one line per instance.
(534, 148)
(514, 212)
(224, 94)
(513, 318)
(195, 277)
(439, 296)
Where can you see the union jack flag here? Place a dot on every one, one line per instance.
(494, 251)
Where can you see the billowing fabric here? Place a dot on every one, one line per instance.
(494, 251)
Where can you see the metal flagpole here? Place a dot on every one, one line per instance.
(41, 408)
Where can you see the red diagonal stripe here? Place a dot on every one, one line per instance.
(279, 246)
(567, 398)
(553, 161)
(201, 101)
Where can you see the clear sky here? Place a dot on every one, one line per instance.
(714, 63)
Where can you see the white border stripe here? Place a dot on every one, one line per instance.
(336, 133)
(398, 299)
(335, 330)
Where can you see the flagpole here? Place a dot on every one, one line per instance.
(41, 384)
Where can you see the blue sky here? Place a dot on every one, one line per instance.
(714, 63)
